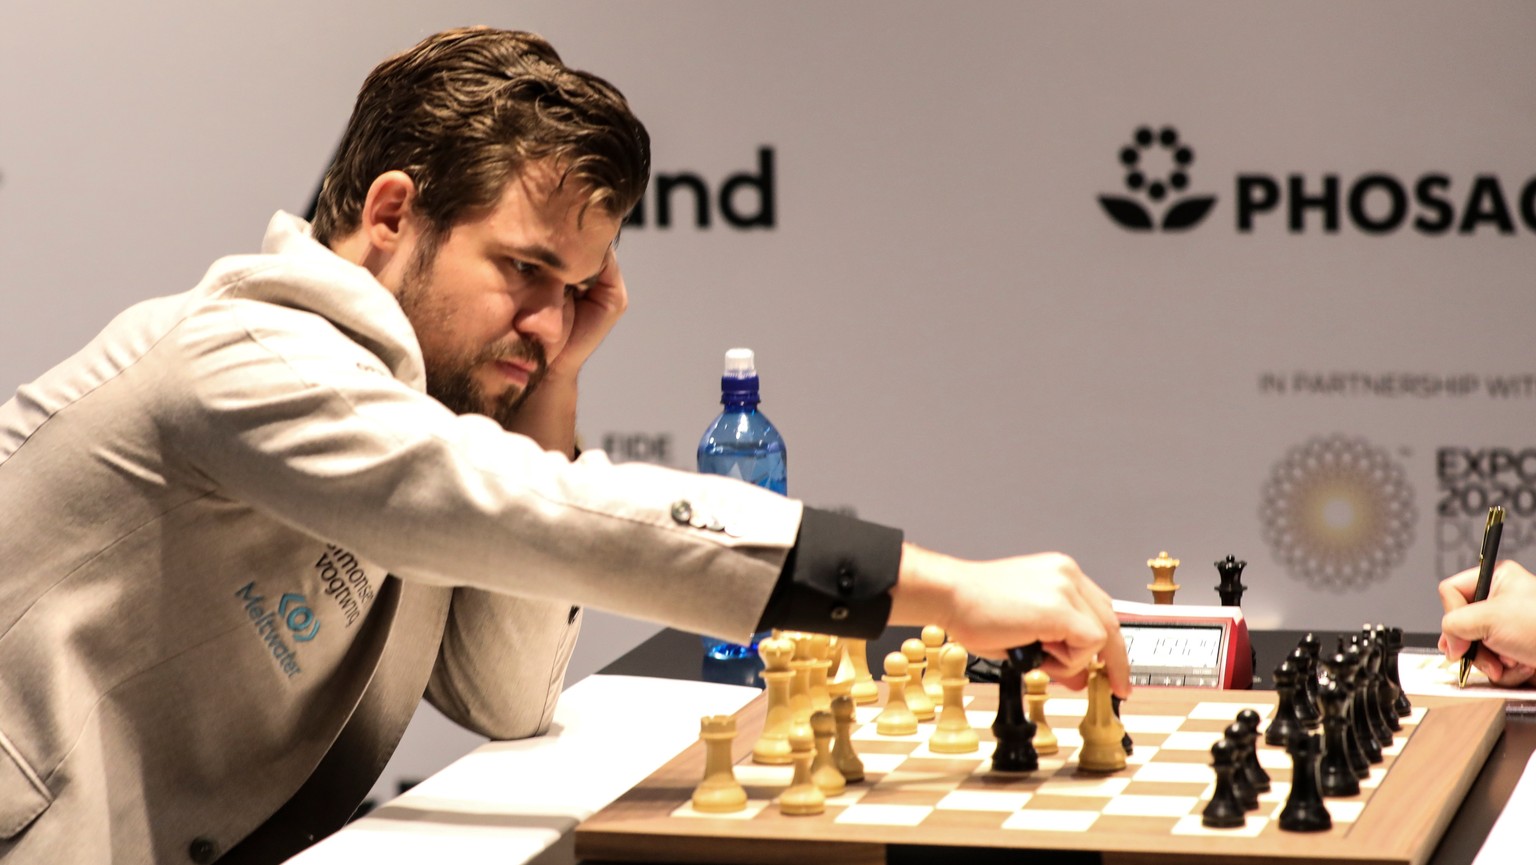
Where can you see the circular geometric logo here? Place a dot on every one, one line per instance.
(1338, 512)
(1156, 166)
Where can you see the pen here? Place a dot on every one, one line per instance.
(1485, 562)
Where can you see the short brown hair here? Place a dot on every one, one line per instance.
(462, 111)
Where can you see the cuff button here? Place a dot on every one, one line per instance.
(839, 613)
(682, 512)
(203, 851)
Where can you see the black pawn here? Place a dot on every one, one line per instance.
(1125, 741)
(1014, 732)
(1248, 719)
(1336, 777)
(1231, 587)
(1402, 705)
(1224, 810)
(1285, 723)
(1304, 810)
(1243, 786)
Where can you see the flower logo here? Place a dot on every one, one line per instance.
(1157, 166)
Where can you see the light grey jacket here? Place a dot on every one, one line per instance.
(233, 529)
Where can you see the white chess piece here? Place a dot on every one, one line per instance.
(954, 734)
(896, 719)
(917, 697)
(718, 793)
(1102, 732)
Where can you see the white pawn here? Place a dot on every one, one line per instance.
(1034, 696)
(896, 719)
(954, 734)
(917, 698)
(718, 793)
(823, 768)
(933, 643)
(803, 796)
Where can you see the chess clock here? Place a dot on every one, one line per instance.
(1188, 646)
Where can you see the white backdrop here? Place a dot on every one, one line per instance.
(954, 334)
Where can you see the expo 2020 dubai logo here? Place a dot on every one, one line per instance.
(1338, 512)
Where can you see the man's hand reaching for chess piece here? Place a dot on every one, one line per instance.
(991, 607)
(1505, 623)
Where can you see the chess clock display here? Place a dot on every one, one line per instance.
(1186, 646)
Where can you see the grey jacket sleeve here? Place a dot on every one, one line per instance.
(282, 412)
(502, 662)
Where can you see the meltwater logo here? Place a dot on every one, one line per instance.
(1338, 512)
(1157, 165)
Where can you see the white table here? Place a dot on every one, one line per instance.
(516, 802)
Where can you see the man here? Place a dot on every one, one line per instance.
(1505, 623)
(249, 525)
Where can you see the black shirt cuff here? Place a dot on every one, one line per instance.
(837, 579)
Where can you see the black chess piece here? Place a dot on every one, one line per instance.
(1359, 712)
(1304, 809)
(1305, 698)
(1336, 777)
(1243, 784)
(1313, 647)
(1125, 741)
(1231, 587)
(1375, 655)
(1387, 686)
(1014, 732)
(1285, 724)
(1224, 811)
(1248, 719)
(1401, 704)
(1028, 657)
(1337, 668)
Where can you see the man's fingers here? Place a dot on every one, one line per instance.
(1116, 665)
(1456, 592)
(1076, 680)
(1453, 647)
(1469, 622)
(1069, 658)
(1489, 664)
(1515, 673)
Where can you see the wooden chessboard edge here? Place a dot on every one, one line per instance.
(1452, 743)
(1249, 858)
(621, 846)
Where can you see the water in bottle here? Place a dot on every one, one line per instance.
(741, 443)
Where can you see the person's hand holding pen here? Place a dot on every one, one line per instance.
(1505, 622)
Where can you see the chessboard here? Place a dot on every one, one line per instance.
(1148, 812)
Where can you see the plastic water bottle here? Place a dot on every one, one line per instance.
(741, 443)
